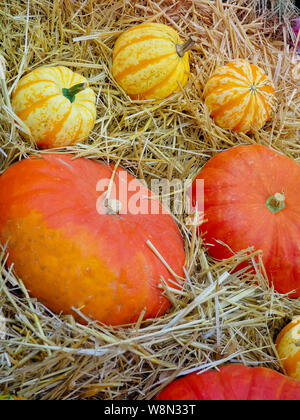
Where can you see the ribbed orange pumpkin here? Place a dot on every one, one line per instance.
(240, 96)
(57, 106)
(72, 248)
(150, 61)
(288, 348)
(251, 199)
(233, 383)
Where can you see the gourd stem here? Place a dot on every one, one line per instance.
(72, 91)
(184, 48)
(276, 202)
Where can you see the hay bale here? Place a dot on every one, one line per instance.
(218, 317)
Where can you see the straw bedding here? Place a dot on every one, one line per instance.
(218, 317)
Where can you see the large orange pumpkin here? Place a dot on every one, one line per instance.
(251, 199)
(57, 106)
(75, 247)
(233, 382)
(240, 96)
(288, 348)
(150, 61)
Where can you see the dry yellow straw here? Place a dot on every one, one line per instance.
(220, 315)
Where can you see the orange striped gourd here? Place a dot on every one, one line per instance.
(240, 96)
(56, 105)
(150, 61)
(288, 348)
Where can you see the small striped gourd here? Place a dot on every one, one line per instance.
(151, 62)
(56, 105)
(240, 96)
(288, 348)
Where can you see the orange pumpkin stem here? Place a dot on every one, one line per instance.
(184, 48)
(276, 202)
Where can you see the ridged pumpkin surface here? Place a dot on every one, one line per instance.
(70, 255)
(240, 96)
(288, 348)
(52, 118)
(146, 63)
(238, 186)
(233, 382)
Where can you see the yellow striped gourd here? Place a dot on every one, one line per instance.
(57, 106)
(150, 61)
